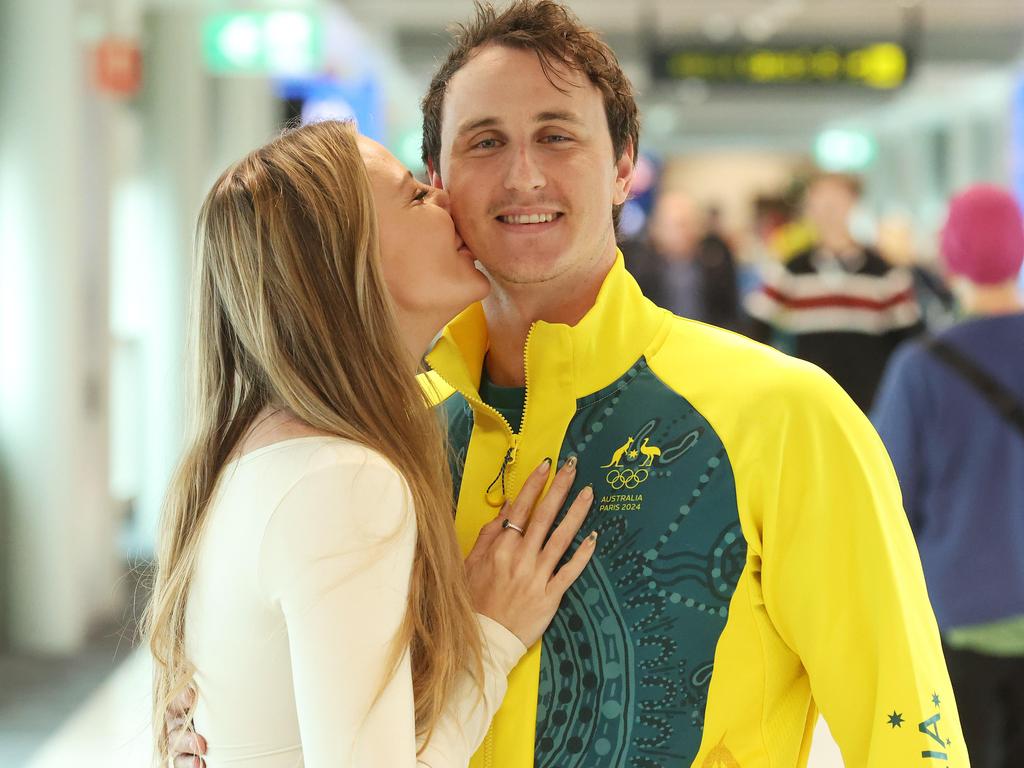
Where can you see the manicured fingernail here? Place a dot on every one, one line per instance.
(587, 492)
(592, 538)
(570, 463)
(545, 464)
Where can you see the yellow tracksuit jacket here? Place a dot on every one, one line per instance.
(754, 564)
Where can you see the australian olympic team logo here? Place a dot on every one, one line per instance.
(628, 477)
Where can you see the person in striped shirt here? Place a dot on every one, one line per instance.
(837, 304)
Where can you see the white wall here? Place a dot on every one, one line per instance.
(183, 130)
(98, 199)
(964, 109)
(53, 262)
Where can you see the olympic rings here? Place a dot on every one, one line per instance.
(626, 478)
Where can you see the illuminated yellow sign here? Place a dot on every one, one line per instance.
(882, 66)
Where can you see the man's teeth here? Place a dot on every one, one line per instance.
(528, 218)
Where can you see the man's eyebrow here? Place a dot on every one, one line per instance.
(561, 116)
(540, 117)
(483, 122)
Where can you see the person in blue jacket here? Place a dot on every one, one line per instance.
(951, 413)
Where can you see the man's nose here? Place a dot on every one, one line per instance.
(524, 173)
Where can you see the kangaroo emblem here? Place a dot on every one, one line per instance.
(619, 453)
(649, 453)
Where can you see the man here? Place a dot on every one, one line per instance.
(684, 264)
(951, 413)
(837, 304)
(724, 590)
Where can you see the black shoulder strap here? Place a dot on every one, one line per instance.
(1003, 400)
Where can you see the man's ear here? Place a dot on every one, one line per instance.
(624, 169)
(433, 175)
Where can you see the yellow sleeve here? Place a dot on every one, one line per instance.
(843, 584)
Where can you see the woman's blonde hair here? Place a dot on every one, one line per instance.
(289, 309)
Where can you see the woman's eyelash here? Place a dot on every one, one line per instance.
(420, 195)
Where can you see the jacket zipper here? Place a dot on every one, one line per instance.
(506, 466)
(489, 749)
(504, 477)
(505, 472)
(526, 372)
(510, 456)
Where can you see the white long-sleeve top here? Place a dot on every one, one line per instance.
(300, 587)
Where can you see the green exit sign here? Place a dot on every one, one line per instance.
(273, 42)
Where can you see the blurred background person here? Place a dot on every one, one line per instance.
(895, 240)
(776, 235)
(716, 256)
(837, 304)
(684, 264)
(951, 413)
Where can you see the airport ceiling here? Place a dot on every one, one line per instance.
(615, 16)
(946, 38)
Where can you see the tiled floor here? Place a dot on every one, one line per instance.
(40, 696)
(111, 728)
(39, 693)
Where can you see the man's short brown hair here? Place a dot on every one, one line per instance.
(554, 33)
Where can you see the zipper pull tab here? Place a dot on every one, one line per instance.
(496, 495)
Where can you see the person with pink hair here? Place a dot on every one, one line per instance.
(951, 413)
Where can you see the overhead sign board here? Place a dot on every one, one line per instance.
(879, 66)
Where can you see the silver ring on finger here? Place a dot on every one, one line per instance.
(506, 523)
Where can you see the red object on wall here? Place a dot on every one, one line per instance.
(117, 67)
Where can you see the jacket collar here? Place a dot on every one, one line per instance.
(583, 358)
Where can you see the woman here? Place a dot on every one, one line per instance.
(310, 583)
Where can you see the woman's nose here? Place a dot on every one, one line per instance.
(441, 199)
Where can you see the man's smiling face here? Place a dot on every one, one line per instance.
(529, 166)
